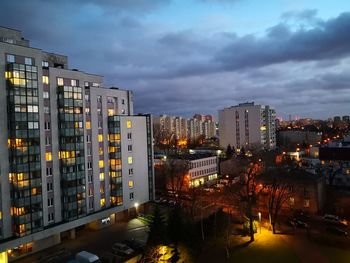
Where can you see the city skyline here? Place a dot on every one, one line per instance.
(290, 55)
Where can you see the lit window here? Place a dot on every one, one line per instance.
(102, 176)
(73, 82)
(100, 150)
(60, 81)
(100, 138)
(128, 124)
(48, 156)
(88, 125)
(131, 183)
(45, 64)
(101, 163)
(45, 80)
(22, 228)
(103, 202)
(129, 160)
(110, 112)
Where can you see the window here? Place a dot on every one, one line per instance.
(123, 111)
(128, 124)
(87, 97)
(99, 124)
(131, 196)
(89, 165)
(306, 203)
(45, 80)
(50, 202)
(102, 202)
(99, 98)
(88, 138)
(123, 101)
(51, 217)
(44, 64)
(100, 150)
(46, 109)
(47, 125)
(101, 164)
(28, 61)
(100, 138)
(130, 148)
(46, 95)
(33, 125)
(88, 125)
(73, 82)
(49, 187)
(129, 160)
(47, 141)
(60, 81)
(48, 156)
(131, 184)
(48, 171)
(102, 176)
(10, 58)
(131, 171)
(110, 112)
(87, 111)
(129, 135)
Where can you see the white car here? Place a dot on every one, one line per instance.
(122, 249)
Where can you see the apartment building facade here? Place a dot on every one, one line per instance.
(71, 152)
(247, 125)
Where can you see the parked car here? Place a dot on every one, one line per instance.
(337, 231)
(135, 244)
(122, 249)
(301, 215)
(297, 223)
(301, 224)
(86, 257)
(335, 220)
(330, 217)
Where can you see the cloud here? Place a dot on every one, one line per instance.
(180, 72)
(330, 40)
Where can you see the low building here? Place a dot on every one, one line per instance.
(203, 169)
(306, 190)
(293, 137)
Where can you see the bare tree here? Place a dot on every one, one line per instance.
(278, 194)
(247, 190)
(175, 172)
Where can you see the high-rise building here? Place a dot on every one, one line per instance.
(71, 152)
(247, 125)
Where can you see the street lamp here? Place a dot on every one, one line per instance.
(136, 206)
(259, 221)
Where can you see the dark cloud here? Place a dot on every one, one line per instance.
(293, 68)
(330, 40)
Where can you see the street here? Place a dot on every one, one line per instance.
(98, 242)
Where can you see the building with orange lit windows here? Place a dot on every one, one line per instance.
(75, 153)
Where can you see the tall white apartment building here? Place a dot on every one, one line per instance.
(247, 125)
(71, 152)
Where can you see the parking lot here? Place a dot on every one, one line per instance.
(98, 242)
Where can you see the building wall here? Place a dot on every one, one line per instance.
(203, 170)
(95, 105)
(247, 125)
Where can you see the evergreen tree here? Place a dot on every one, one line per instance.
(175, 225)
(156, 228)
(229, 152)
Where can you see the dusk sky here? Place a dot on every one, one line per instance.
(182, 57)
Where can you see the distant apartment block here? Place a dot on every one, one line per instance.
(182, 128)
(71, 152)
(247, 125)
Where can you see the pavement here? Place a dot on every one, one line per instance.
(98, 242)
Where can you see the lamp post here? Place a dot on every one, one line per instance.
(259, 221)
